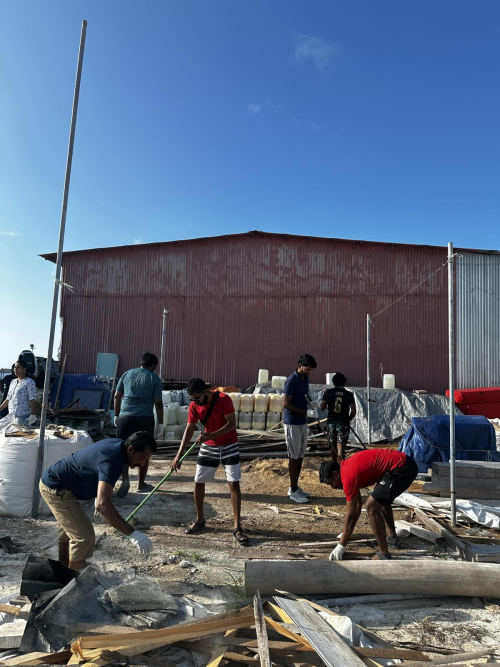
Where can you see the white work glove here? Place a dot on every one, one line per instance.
(115, 421)
(32, 419)
(142, 542)
(337, 553)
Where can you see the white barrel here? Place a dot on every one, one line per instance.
(275, 403)
(263, 376)
(275, 381)
(389, 381)
(259, 421)
(273, 418)
(237, 419)
(170, 414)
(329, 378)
(166, 397)
(261, 402)
(185, 397)
(246, 403)
(182, 415)
(173, 432)
(236, 398)
(177, 396)
(245, 420)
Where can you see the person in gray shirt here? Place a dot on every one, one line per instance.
(138, 393)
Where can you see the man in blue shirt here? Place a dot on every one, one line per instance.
(295, 421)
(137, 394)
(92, 473)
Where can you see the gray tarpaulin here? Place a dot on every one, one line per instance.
(391, 409)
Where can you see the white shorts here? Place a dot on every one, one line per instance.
(296, 440)
(209, 459)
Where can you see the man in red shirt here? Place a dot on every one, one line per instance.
(391, 472)
(219, 444)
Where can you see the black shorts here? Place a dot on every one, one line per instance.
(395, 482)
(128, 425)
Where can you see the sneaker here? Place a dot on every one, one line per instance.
(298, 497)
(394, 542)
(304, 493)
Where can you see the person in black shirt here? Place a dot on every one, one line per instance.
(341, 410)
(4, 387)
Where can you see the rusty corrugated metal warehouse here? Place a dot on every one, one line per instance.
(258, 300)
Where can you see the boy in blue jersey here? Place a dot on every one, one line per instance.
(92, 473)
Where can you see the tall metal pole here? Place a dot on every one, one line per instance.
(451, 366)
(368, 411)
(166, 313)
(62, 227)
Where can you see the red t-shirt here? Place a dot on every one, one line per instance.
(223, 406)
(367, 468)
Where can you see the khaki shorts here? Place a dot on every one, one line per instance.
(296, 440)
(74, 525)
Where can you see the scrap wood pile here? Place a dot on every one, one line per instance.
(287, 632)
(262, 444)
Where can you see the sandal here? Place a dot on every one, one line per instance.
(380, 556)
(194, 527)
(240, 536)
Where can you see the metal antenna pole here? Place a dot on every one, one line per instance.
(69, 160)
(451, 364)
(368, 411)
(166, 314)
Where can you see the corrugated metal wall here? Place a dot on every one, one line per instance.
(251, 301)
(478, 320)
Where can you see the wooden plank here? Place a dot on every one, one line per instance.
(38, 658)
(469, 469)
(328, 645)
(286, 632)
(451, 540)
(260, 627)
(318, 577)
(240, 618)
(391, 653)
(9, 609)
(422, 533)
(454, 658)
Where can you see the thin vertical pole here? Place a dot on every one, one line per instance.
(163, 331)
(368, 411)
(451, 367)
(62, 227)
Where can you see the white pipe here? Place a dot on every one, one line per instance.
(451, 366)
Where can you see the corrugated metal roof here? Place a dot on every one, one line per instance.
(478, 321)
(52, 256)
(243, 302)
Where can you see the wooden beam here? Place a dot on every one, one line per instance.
(327, 643)
(451, 540)
(318, 577)
(240, 618)
(38, 658)
(422, 533)
(260, 627)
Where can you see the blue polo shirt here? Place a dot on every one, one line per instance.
(297, 389)
(81, 472)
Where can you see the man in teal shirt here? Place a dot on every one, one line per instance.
(138, 393)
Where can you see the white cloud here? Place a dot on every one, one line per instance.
(255, 108)
(10, 233)
(320, 51)
(138, 240)
(315, 127)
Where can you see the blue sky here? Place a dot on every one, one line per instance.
(354, 119)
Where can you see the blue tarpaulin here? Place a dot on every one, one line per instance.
(85, 382)
(428, 440)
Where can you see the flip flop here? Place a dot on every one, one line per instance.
(380, 556)
(240, 536)
(194, 527)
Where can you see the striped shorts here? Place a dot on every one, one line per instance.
(209, 459)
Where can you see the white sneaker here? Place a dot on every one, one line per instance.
(298, 497)
(304, 493)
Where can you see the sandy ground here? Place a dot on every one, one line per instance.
(216, 562)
